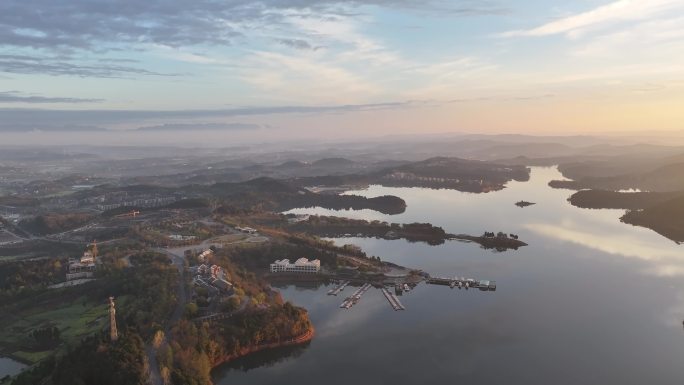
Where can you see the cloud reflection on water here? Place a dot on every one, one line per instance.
(669, 261)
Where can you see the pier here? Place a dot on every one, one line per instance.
(336, 290)
(393, 300)
(354, 298)
(467, 283)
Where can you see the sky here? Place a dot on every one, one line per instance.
(233, 70)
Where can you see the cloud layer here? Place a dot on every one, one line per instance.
(88, 24)
(170, 65)
(32, 119)
(18, 97)
(606, 15)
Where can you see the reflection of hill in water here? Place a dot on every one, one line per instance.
(666, 218)
(264, 358)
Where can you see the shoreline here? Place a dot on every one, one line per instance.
(18, 359)
(301, 339)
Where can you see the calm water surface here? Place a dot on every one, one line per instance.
(589, 301)
(9, 367)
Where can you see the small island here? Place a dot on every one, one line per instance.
(524, 203)
(499, 241)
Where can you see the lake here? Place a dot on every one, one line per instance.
(10, 367)
(589, 301)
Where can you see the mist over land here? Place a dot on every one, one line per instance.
(606, 168)
(157, 214)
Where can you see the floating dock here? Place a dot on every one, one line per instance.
(467, 283)
(336, 290)
(354, 298)
(393, 300)
(399, 289)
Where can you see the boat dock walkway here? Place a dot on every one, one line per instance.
(467, 283)
(336, 290)
(393, 300)
(354, 298)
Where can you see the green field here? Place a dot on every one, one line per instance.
(74, 319)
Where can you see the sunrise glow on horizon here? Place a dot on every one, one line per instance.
(296, 69)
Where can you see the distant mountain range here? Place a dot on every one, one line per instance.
(668, 177)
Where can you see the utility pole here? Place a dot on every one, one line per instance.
(113, 334)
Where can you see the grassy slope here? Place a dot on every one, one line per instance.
(75, 319)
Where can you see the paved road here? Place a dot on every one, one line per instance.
(154, 374)
(179, 262)
(244, 301)
(181, 295)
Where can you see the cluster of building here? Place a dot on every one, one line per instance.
(141, 202)
(302, 265)
(178, 237)
(83, 267)
(116, 199)
(398, 175)
(213, 276)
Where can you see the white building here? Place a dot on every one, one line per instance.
(203, 269)
(83, 267)
(178, 237)
(88, 258)
(246, 230)
(204, 255)
(302, 265)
